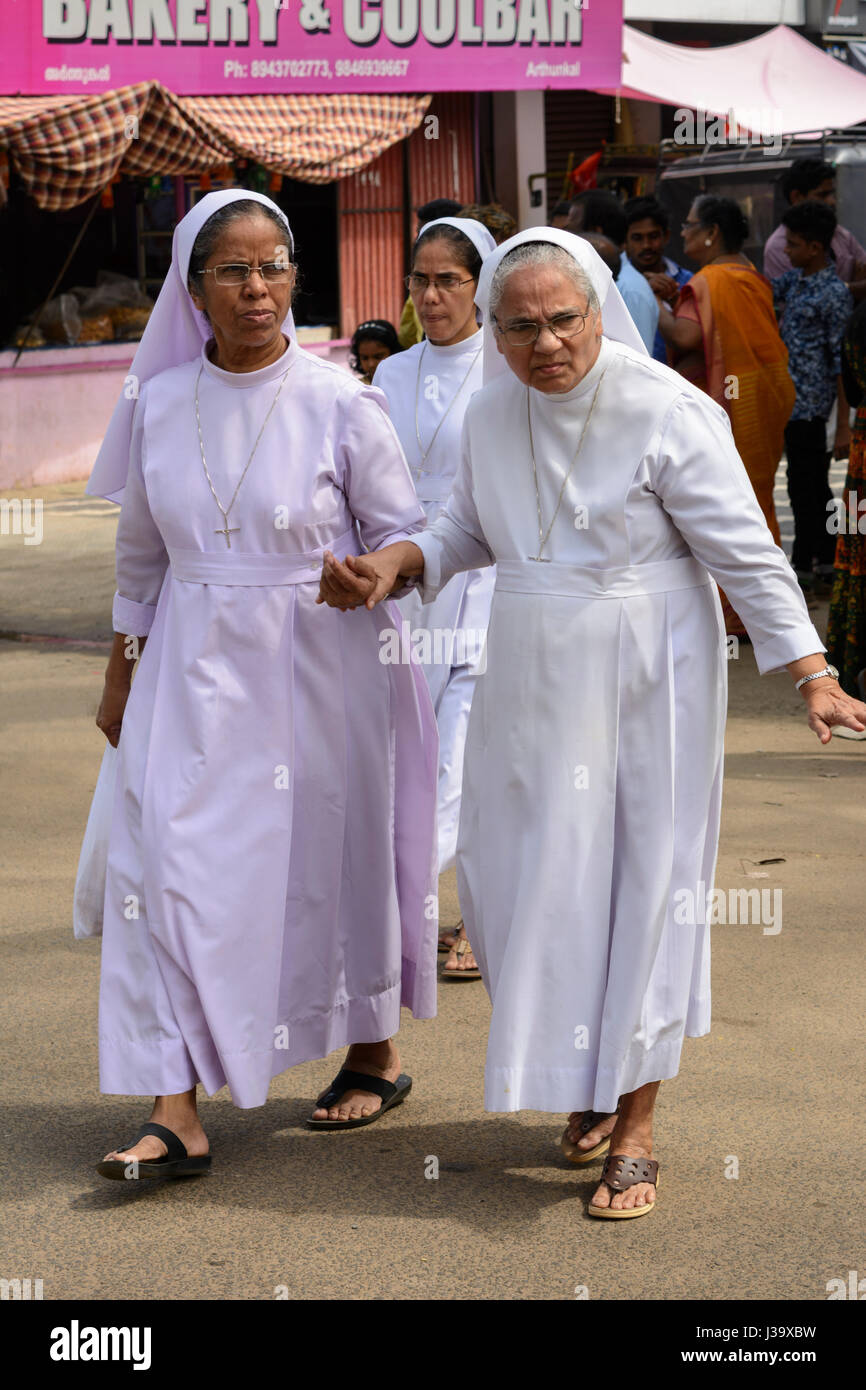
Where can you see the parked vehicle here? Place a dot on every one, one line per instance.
(752, 175)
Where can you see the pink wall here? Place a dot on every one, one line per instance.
(56, 404)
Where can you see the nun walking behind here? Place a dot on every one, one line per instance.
(271, 853)
(610, 495)
(428, 388)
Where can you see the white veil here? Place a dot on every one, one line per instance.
(617, 321)
(483, 240)
(174, 334)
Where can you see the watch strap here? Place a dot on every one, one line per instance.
(814, 675)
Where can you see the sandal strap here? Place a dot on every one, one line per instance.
(620, 1171)
(348, 1080)
(594, 1117)
(175, 1149)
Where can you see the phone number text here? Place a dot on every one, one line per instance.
(317, 67)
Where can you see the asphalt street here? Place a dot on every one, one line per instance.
(759, 1138)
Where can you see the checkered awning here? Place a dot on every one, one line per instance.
(66, 148)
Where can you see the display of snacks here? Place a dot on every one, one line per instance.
(20, 338)
(96, 329)
(128, 321)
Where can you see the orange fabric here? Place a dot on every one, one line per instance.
(745, 369)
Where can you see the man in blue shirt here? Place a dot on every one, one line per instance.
(647, 231)
(814, 306)
(600, 211)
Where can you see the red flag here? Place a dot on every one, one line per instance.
(585, 175)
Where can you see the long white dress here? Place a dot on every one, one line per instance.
(457, 619)
(272, 851)
(593, 777)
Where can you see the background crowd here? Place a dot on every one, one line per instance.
(783, 351)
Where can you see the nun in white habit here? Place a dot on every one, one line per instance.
(428, 388)
(271, 853)
(610, 495)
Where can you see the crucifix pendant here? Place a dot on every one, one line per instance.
(226, 531)
(541, 559)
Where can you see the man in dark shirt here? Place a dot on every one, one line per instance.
(814, 306)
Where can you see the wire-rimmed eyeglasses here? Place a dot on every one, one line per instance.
(565, 325)
(446, 284)
(238, 272)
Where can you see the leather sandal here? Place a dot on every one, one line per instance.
(621, 1172)
(461, 946)
(175, 1163)
(443, 948)
(589, 1120)
(391, 1094)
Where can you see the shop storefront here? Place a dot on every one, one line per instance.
(350, 119)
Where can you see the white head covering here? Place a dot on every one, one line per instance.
(174, 334)
(617, 321)
(483, 240)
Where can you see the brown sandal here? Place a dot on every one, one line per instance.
(461, 946)
(443, 948)
(621, 1172)
(588, 1121)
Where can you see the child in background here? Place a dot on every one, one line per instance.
(372, 341)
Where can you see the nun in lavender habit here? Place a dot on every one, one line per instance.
(271, 856)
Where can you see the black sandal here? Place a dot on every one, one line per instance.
(347, 1080)
(175, 1163)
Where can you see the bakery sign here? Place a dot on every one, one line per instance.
(229, 47)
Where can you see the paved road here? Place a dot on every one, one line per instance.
(768, 1093)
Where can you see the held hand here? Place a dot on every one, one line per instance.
(664, 286)
(359, 580)
(830, 705)
(110, 714)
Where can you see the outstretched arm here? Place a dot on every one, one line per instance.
(703, 485)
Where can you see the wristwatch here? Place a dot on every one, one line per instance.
(827, 671)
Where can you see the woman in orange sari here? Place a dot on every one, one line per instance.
(722, 335)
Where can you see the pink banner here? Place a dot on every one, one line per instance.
(230, 47)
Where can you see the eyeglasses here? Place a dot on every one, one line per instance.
(446, 284)
(687, 226)
(565, 325)
(237, 272)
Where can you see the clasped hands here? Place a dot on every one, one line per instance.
(359, 580)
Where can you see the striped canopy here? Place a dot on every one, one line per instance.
(66, 148)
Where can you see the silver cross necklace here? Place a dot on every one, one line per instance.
(225, 529)
(542, 534)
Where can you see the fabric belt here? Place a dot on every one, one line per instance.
(576, 581)
(234, 567)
